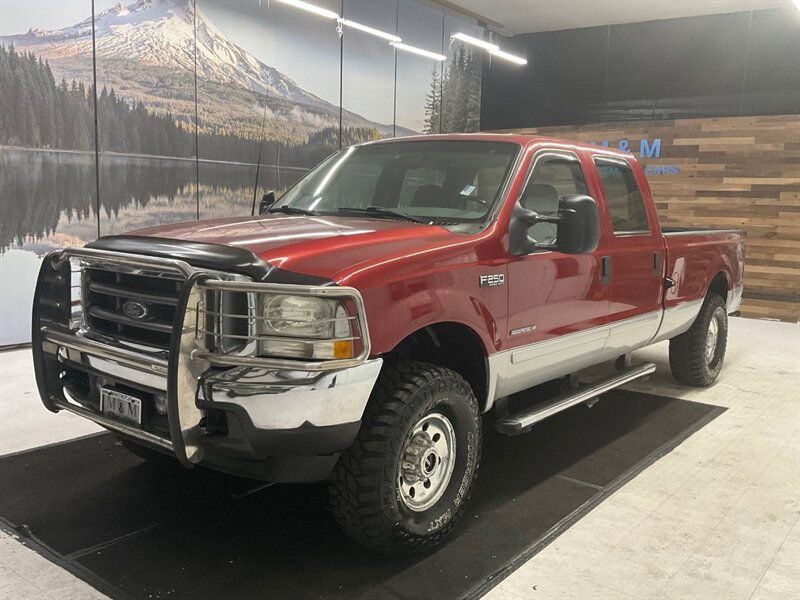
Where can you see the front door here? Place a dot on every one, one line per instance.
(558, 305)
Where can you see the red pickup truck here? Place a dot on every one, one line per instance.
(362, 326)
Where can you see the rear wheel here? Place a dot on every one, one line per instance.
(403, 484)
(696, 357)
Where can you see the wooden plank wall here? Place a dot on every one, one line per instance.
(738, 172)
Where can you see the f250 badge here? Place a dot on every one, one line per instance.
(492, 280)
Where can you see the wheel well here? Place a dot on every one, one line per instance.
(450, 345)
(719, 286)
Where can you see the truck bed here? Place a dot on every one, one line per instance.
(695, 256)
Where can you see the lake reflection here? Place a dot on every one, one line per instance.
(48, 201)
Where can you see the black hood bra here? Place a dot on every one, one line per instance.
(218, 257)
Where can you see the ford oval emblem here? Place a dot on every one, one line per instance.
(135, 310)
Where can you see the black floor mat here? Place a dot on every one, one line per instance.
(147, 531)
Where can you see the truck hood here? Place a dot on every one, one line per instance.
(325, 246)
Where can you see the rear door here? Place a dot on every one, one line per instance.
(633, 263)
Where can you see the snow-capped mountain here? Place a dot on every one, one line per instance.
(146, 51)
(161, 33)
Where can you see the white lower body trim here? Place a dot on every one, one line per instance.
(678, 319)
(518, 369)
(628, 334)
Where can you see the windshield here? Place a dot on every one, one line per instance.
(429, 181)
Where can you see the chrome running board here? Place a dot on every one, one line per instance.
(522, 421)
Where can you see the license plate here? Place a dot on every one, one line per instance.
(121, 406)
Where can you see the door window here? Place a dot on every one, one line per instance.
(623, 198)
(553, 177)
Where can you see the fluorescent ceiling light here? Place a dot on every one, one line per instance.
(367, 29)
(317, 10)
(512, 57)
(420, 51)
(475, 41)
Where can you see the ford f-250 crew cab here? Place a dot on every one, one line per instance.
(362, 326)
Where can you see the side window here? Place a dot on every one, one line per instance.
(552, 177)
(624, 200)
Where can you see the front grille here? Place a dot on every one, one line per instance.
(107, 292)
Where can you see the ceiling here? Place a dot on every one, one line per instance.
(511, 17)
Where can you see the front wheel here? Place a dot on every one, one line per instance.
(696, 357)
(403, 484)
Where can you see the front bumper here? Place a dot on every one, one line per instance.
(272, 421)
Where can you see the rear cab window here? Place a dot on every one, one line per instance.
(623, 197)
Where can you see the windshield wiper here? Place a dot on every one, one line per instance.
(383, 211)
(292, 210)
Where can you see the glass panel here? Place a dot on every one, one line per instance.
(235, 43)
(623, 198)
(268, 99)
(47, 167)
(146, 113)
(418, 96)
(305, 116)
(461, 82)
(368, 72)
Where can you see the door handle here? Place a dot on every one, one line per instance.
(605, 270)
(657, 264)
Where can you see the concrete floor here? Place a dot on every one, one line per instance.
(717, 518)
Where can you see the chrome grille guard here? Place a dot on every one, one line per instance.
(57, 328)
(208, 280)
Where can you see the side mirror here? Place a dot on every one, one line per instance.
(577, 222)
(267, 200)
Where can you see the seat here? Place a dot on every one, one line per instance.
(429, 195)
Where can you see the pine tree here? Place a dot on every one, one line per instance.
(448, 95)
(433, 104)
(473, 121)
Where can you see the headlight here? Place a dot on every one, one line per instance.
(318, 323)
(298, 316)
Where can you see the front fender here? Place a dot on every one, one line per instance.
(393, 314)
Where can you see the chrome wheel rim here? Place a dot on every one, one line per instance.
(711, 339)
(427, 462)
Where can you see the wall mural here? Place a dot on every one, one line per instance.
(202, 106)
(145, 75)
(48, 187)
(420, 26)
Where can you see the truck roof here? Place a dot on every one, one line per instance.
(517, 138)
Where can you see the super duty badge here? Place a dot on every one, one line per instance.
(492, 280)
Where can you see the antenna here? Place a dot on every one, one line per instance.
(260, 148)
